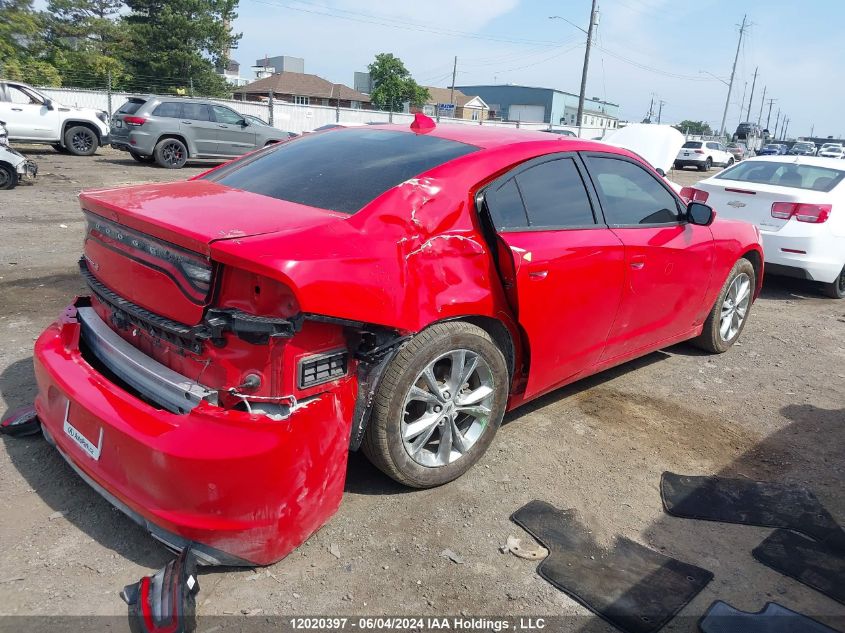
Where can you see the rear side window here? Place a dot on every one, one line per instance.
(131, 106)
(630, 195)
(169, 109)
(811, 177)
(340, 170)
(196, 112)
(505, 205)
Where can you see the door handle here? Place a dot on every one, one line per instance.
(17, 109)
(187, 122)
(225, 127)
(537, 275)
(638, 262)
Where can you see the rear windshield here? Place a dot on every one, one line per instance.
(131, 106)
(340, 170)
(692, 145)
(810, 177)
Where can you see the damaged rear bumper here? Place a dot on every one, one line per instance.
(245, 489)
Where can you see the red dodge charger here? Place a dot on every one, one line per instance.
(380, 287)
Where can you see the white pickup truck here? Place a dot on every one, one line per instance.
(32, 117)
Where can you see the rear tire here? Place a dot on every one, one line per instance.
(81, 141)
(171, 153)
(729, 314)
(836, 288)
(708, 164)
(8, 177)
(439, 405)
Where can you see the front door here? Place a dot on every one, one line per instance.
(566, 267)
(28, 117)
(235, 137)
(668, 261)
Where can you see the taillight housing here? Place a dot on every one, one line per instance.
(691, 194)
(699, 151)
(134, 121)
(803, 212)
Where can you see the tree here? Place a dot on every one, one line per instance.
(88, 41)
(697, 128)
(393, 84)
(22, 44)
(179, 43)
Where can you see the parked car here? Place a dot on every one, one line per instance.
(391, 288)
(803, 148)
(738, 150)
(832, 151)
(14, 166)
(828, 145)
(703, 155)
(772, 149)
(172, 130)
(798, 204)
(751, 135)
(32, 117)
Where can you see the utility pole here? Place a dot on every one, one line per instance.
(777, 118)
(581, 96)
(651, 108)
(733, 72)
(751, 98)
(812, 129)
(660, 111)
(785, 129)
(769, 118)
(452, 91)
(762, 103)
(742, 101)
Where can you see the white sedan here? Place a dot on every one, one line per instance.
(797, 202)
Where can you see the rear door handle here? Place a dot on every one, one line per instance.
(638, 262)
(187, 122)
(225, 127)
(537, 275)
(17, 109)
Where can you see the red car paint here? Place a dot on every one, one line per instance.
(573, 302)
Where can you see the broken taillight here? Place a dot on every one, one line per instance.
(811, 213)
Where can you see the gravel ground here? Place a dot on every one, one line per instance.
(771, 408)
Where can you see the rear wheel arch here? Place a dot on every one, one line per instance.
(179, 138)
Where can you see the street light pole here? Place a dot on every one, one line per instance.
(733, 72)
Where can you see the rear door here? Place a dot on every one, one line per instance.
(234, 137)
(561, 265)
(668, 261)
(196, 123)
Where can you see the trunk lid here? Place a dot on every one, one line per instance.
(151, 244)
(752, 202)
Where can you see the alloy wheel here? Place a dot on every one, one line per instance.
(447, 408)
(172, 154)
(82, 141)
(735, 307)
(5, 178)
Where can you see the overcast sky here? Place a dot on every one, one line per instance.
(644, 47)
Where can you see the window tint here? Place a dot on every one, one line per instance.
(342, 170)
(169, 109)
(196, 112)
(505, 206)
(554, 195)
(629, 194)
(225, 115)
(692, 145)
(131, 106)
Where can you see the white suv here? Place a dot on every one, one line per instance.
(32, 117)
(703, 154)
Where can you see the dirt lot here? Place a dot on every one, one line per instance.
(771, 408)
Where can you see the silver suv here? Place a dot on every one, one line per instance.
(172, 130)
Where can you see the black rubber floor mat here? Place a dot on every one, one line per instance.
(632, 587)
(808, 561)
(773, 618)
(750, 503)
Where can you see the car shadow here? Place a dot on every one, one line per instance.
(58, 486)
(777, 288)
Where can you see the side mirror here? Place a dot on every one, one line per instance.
(660, 171)
(49, 104)
(700, 214)
(244, 123)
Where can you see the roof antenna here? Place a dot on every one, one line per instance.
(422, 124)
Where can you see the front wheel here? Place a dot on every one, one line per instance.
(438, 406)
(81, 141)
(836, 288)
(729, 314)
(8, 177)
(730, 162)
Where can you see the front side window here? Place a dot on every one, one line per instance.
(22, 96)
(342, 170)
(225, 115)
(630, 195)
